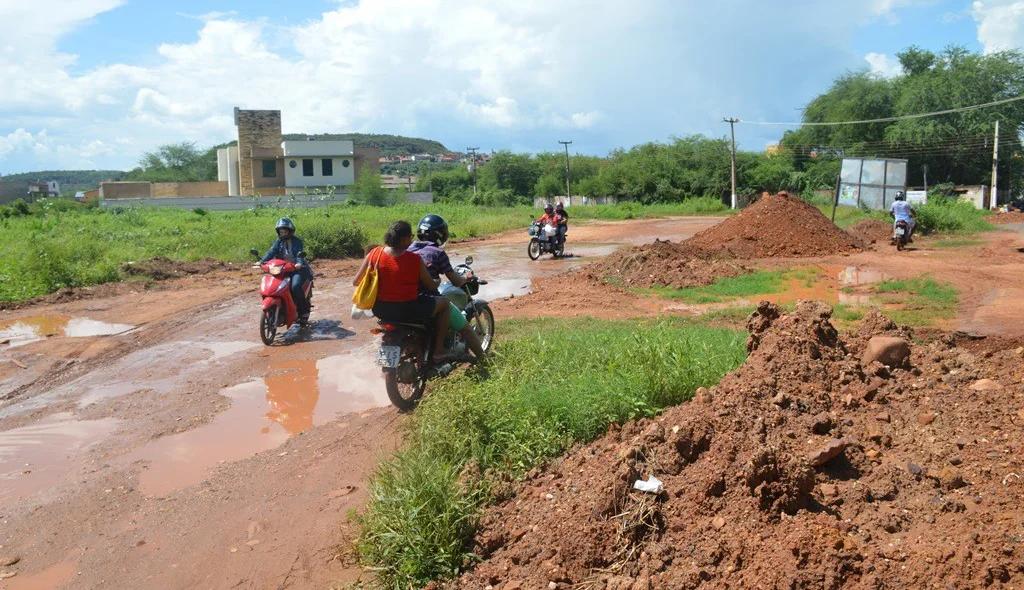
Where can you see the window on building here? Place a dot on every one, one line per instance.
(292, 164)
(269, 168)
(307, 167)
(328, 167)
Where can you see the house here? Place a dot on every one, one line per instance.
(38, 190)
(422, 158)
(263, 164)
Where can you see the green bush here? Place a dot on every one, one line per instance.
(420, 517)
(324, 239)
(951, 217)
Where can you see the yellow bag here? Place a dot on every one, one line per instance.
(366, 292)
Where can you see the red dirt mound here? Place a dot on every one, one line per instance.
(1003, 218)
(871, 231)
(162, 269)
(776, 226)
(802, 469)
(574, 294)
(666, 264)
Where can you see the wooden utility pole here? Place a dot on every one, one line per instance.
(472, 159)
(924, 169)
(994, 203)
(732, 153)
(568, 191)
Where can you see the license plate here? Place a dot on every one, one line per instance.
(388, 356)
(899, 231)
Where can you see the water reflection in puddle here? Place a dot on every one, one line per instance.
(35, 457)
(263, 414)
(504, 288)
(32, 329)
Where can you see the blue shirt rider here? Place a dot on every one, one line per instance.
(287, 247)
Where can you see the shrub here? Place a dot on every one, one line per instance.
(326, 238)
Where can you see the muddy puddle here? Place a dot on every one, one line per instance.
(24, 331)
(57, 576)
(35, 457)
(295, 396)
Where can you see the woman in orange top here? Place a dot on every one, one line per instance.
(400, 275)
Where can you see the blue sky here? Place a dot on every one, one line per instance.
(95, 83)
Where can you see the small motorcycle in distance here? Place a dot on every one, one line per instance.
(406, 354)
(901, 234)
(544, 240)
(278, 307)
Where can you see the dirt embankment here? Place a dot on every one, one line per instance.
(779, 225)
(811, 466)
(1004, 218)
(667, 264)
(871, 231)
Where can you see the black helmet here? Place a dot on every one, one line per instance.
(901, 196)
(432, 228)
(548, 208)
(285, 223)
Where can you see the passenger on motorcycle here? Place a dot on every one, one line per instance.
(432, 233)
(563, 221)
(901, 210)
(400, 277)
(549, 217)
(287, 247)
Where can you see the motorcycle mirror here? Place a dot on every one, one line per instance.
(254, 252)
(301, 254)
(469, 260)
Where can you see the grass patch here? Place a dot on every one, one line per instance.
(761, 282)
(919, 301)
(552, 384)
(56, 243)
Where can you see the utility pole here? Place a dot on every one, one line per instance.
(924, 169)
(472, 159)
(568, 191)
(994, 203)
(732, 153)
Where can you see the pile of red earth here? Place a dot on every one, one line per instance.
(822, 462)
(575, 294)
(666, 264)
(871, 231)
(777, 225)
(1003, 218)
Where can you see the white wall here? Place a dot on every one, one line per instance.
(343, 176)
(323, 149)
(233, 171)
(222, 164)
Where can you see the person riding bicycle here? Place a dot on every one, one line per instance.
(431, 234)
(563, 221)
(901, 210)
(287, 247)
(401, 278)
(550, 217)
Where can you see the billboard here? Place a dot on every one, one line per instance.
(871, 182)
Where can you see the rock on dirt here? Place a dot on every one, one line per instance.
(777, 225)
(833, 449)
(890, 351)
(743, 508)
(986, 385)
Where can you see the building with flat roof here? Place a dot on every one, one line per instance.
(263, 164)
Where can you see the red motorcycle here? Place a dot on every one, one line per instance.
(278, 306)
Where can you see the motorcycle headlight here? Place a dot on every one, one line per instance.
(275, 270)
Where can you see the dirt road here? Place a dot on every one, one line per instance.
(148, 438)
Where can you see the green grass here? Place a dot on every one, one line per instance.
(919, 301)
(58, 244)
(553, 383)
(761, 282)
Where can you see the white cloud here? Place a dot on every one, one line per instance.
(884, 65)
(491, 72)
(1000, 24)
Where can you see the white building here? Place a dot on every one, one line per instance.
(319, 163)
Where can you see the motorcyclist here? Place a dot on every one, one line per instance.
(901, 210)
(563, 221)
(287, 247)
(431, 234)
(549, 217)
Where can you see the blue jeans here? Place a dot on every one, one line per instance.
(298, 296)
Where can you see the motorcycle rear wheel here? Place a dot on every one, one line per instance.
(406, 382)
(268, 325)
(533, 250)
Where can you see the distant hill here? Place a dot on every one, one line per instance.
(389, 145)
(15, 186)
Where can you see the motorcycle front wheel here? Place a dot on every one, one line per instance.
(483, 324)
(406, 382)
(268, 325)
(533, 250)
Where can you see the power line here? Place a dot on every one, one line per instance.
(888, 119)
